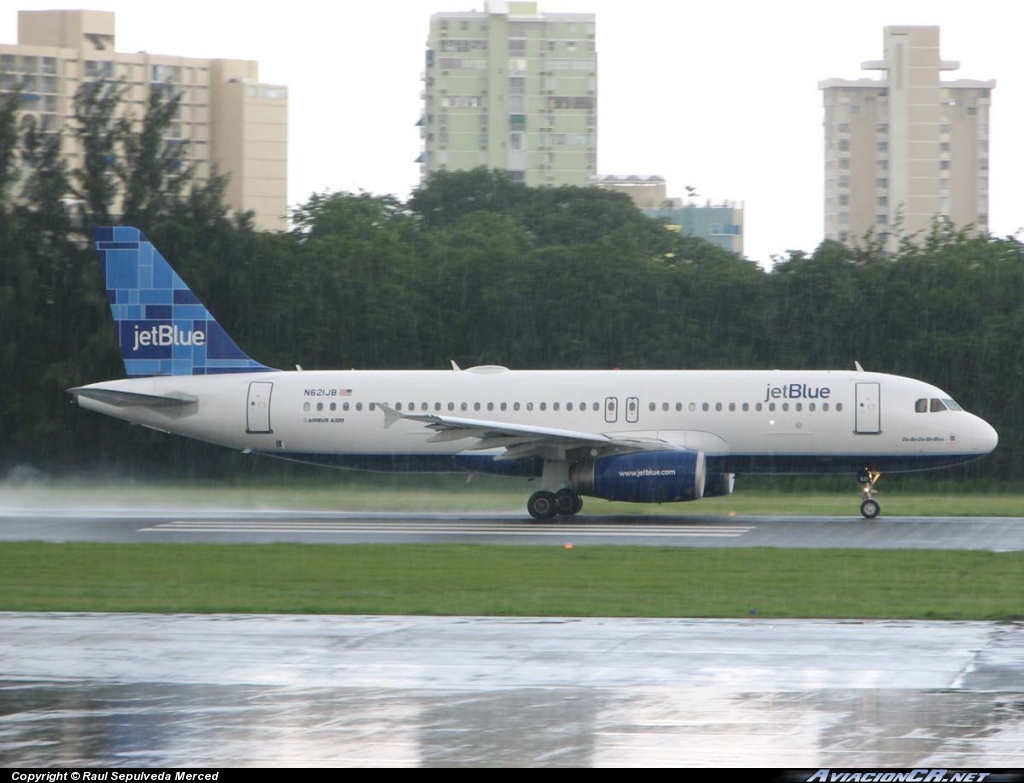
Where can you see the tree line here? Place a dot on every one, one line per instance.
(471, 267)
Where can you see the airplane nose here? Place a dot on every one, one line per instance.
(986, 437)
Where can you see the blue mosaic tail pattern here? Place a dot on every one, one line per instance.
(162, 327)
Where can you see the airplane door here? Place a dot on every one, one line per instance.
(611, 409)
(257, 410)
(869, 415)
(632, 409)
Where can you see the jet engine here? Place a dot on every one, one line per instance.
(642, 477)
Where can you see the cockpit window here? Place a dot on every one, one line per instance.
(937, 405)
(921, 406)
(951, 404)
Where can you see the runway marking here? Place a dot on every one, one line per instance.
(498, 529)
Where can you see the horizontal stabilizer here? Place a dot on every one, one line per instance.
(125, 399)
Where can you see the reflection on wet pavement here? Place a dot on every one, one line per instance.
(151, 691)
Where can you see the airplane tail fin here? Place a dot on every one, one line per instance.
(162, 327)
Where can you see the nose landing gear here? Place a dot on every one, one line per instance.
(869, 507)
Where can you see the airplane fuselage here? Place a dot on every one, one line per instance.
(743, 421)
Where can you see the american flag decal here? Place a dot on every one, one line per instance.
(344, 392)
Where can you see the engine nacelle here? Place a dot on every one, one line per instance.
(719, 484)
(643, 477)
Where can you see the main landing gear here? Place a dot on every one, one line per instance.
(546, 505)
(869, 507)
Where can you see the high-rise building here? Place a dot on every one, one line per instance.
(907, 149)
(511, 88)
(720, 223)
(226, 118)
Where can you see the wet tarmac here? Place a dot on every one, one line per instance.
(182, 690)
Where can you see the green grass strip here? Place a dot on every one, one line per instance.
(588, 581)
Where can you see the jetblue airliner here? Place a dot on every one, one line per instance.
(643, 436)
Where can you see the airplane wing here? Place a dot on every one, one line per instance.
(523, 441)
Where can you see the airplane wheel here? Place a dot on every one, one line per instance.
(870, 509)
(577, 505)
(566, 502)
(542, 505)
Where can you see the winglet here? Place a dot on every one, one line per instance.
(390, 414)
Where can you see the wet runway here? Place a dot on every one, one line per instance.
(180, 690)
(39, 523)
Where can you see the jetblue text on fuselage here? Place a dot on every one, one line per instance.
(797, 391)
(167, 334)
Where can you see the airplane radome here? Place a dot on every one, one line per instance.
(643, 436)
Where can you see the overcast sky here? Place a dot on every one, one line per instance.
(722, 97)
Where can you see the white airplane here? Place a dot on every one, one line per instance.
(648, 436)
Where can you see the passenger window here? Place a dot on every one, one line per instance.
(451, 406)
(437, 406)
(568, 406)
(704, 406)
(490, 406)
(921, 406)
(758, 407)
(398, 406)
(359, 406)
(732, 406)
(746, 406)
(554, 406)
(305, 407)
(824, 406)
(811, 407)
(476, 406)
(543, 406)
(464, 406)
(334, 406)
(771, 406)
(839, 406)
(344, 406)
(597, 406)
(785, 406)
(664, 406)
(799, 406)
(515, 407)
(679, 406)
(504, 406)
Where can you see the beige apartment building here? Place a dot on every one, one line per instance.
(226, 119)
(511, 88)
(908, 148)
